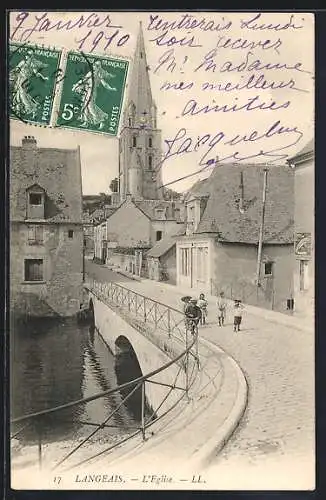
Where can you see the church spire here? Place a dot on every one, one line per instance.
(140, 100)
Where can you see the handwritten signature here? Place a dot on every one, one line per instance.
(182, 144)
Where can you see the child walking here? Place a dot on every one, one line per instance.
(237, 311)
(202, 303)
(221, 309)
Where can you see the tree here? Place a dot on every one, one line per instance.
(105, 199)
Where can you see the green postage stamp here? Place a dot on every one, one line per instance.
(33, 75)
(92, 93)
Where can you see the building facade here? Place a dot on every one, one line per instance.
(304, 221)
(135, 226)
(46, 231)
(219, 249)
(162, 262)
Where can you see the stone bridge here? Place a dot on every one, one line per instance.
(151, 333)
(198, 399)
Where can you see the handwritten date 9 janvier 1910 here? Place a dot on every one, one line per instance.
(182, 144)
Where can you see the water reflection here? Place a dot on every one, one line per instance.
(55, 362)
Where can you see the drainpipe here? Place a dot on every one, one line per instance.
(261, 231)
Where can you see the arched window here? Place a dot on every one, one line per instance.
(150, 162)
(150, 142)
(134, 141)
(130, 122)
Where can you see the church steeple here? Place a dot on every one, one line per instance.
(141, 107)
(140, 137)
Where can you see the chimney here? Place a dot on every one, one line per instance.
(29, 142)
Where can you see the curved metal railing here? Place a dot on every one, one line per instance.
(187, 361)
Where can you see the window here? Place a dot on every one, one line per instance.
(268, 268)
(150, 142)
(35, 198)
(129, 122)
(70, 233)
(134, 141)
(185, 261)
(35, 235)
(158, 235)
(303, 275)
(35, 206)
(150, 162)
(34, 270)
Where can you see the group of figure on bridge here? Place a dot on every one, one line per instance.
(195, 311)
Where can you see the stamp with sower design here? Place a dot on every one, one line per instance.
(33, 76)
(92, 93)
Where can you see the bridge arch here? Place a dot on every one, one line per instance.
(119, 334)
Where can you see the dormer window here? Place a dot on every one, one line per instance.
(35, 199)
(35, 202)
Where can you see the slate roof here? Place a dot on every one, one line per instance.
(161, 247)
(307, 150)
(200, 188)
(148, 208)
(223, 217)
(57, 171)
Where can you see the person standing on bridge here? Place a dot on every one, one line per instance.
(193, 315)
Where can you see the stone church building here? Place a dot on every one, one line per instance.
(142, 217)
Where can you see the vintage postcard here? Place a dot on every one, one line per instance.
(161, 172)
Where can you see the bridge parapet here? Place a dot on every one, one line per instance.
(164, 319)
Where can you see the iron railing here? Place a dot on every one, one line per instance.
(162, 318)
(187, 361)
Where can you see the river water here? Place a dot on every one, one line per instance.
(56, 362)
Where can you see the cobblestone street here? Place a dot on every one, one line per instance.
(278, 362)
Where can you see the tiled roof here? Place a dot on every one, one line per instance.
(223, 217)
(57, 171)
(161, 247)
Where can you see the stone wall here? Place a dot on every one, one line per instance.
(60, 291)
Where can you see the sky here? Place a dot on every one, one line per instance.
(223, 50)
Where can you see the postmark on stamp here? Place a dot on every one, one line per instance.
(33, 73)
(92, 93)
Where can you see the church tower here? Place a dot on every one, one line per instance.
(140, 140)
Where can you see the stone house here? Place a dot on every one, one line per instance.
(135, 226)
(219, 248)
(46, 231)
(161, 260)
(304, 228)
